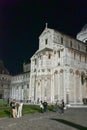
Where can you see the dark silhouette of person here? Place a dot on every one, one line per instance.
(63, 105)
(45, 105)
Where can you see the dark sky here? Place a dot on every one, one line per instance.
(22, 21)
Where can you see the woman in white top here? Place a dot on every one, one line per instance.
(20, 109)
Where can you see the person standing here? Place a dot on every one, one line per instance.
(63, 105)
(45, 106)
(41, 106)
(57, 106)
(13, 106)
(20, 106)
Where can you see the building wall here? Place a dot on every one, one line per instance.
(5, 80)
(4, 86)
(19, 87)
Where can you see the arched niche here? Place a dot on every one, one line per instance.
(61, 70)
(56, 72)
(77, 72)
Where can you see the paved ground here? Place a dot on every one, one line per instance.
(72, 119)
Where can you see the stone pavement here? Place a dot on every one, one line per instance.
(72, 119)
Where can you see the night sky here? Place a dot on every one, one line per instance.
(22, 21)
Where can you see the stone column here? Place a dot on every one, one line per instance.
(74, 88)
(64, 85)
(43, 88)
(71, 82)
(56, 85)
(19, 92)
(30, 87)
(48, 89)
(52, 88)
(80, 90)
(22, 92)
(61, 85)
(59, 89)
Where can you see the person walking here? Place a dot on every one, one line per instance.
(20, 107)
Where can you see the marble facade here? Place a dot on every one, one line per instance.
(59, 68)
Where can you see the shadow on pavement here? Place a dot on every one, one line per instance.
(79, 127)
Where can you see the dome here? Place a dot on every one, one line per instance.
(84, 27)
(82, 35)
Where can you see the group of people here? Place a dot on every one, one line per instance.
(60, 106)
(16, 108)
(43, 106)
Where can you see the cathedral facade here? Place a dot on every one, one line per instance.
(58, 70)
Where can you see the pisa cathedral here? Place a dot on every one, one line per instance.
(58, 70)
